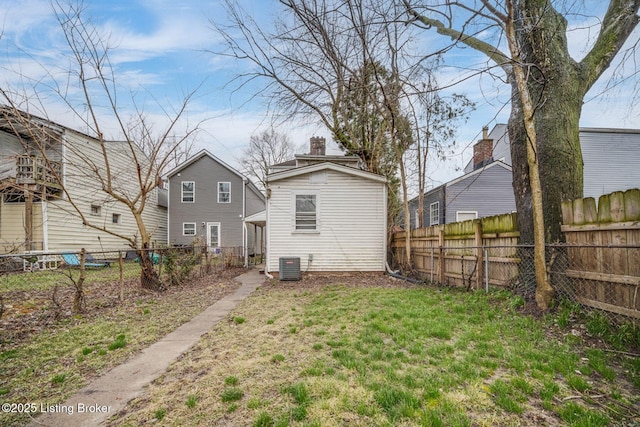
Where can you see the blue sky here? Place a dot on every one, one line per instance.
(160, 49)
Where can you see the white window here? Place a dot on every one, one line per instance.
(188, 228)
(306, 212)
(188, 191)
(466, 215)
(434, 213)
(96, 210)
(115, 218)
(224, 192)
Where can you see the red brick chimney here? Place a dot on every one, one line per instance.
(318, 146)
(483, 150)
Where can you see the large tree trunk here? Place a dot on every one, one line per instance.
(556, 91)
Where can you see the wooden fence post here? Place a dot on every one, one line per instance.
(477, 229)
(441, 273)
(121, 266)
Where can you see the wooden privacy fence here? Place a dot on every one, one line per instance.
(470, 253)
(603, 251)
(598, 266)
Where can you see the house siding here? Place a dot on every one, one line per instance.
(206, 172)
(12, 225)
(488, 192)
(611, 161)
(56, 222)
(65, 229)
(351, 217)
(432, 196)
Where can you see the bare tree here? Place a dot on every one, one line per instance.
(267, 148)
(147, 151)
(439, 116)
(347, 65)
(548, 88)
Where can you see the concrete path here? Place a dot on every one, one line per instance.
(110, 393)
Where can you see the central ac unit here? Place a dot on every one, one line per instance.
(289, 268)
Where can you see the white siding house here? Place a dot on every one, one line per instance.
(57, 226)
(333, 217)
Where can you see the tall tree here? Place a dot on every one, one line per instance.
(348, 65)
(267, 148)
(556, 86)
(148, 151)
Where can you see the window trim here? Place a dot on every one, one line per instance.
(295, 229)
(466, 212)
(195, 228)
(223, 192)
(433, 221)
(193, 192)
(97, 208)
(116, 218)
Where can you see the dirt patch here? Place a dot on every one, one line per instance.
(27, 313)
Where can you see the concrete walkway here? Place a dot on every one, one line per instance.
(110, 393)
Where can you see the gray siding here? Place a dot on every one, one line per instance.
(611, 161)
(432, 196)
(610, 157)
(206, 172)
(488, 192)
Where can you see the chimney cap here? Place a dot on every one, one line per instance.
(485, 132)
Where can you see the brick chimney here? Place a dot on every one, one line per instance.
(318, 146)
(483, 150)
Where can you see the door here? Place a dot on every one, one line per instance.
(213, 236)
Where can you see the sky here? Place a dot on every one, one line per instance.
(162, 52)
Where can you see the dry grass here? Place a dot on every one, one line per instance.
(45, 357)
(373, 351)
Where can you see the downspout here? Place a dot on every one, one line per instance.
(169, 212)
(45, 222)
(244, 224)
(267, 234)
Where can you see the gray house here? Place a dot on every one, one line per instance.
(208, 201)
(485, 189)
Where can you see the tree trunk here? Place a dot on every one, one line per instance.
(149, 278)
(556, 92)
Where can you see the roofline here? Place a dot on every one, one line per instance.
(321, 166)
(198, 156)
(608, 130)
(479, 170)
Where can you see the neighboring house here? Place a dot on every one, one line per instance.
(326, 211)
(54, 224)
(209, 200)
(610, 156)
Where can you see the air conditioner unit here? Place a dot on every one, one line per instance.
(289, 268)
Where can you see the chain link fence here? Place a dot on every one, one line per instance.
(64, 281)
(602, 278)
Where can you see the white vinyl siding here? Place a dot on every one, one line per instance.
(65, 229)
(351, 217)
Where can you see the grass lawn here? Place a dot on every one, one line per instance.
(373, 351)
(47, 352)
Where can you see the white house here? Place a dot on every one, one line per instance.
(52, 216)
(327, 212)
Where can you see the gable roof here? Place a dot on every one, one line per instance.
(205, 153)
(325, 166)
(479, 171)
(200, 154)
